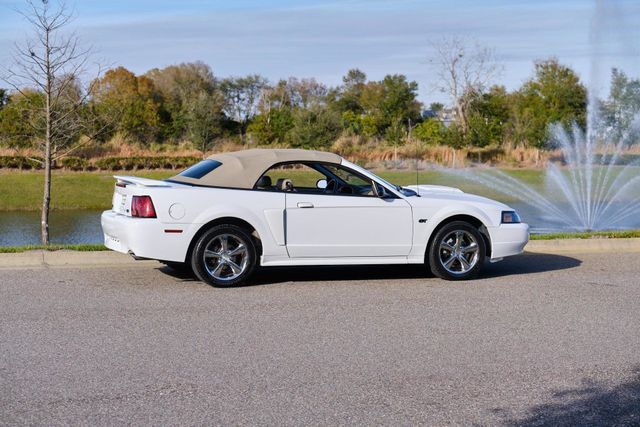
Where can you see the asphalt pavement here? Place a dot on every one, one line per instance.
(538, 340)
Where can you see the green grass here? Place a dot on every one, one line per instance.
(531, 177)
(22, 190)
(528, 176)
(55, 247)
(626, 234)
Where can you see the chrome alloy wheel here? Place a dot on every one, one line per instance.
(226, 257)
(458, 252)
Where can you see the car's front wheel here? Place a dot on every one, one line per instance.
(224, 256)
(457, 251)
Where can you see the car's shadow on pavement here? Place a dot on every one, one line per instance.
(523, 264)
(529, 263)
(593, 404)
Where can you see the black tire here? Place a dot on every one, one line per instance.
(440, 255)
(222, 259)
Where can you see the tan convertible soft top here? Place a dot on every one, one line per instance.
(241, 169)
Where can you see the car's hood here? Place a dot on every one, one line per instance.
(431, 189)
(441, 192)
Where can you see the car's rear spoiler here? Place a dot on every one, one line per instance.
(142, 182)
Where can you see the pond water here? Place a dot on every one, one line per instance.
(83, 226)
(66, 226)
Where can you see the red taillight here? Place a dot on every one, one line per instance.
(142, 207)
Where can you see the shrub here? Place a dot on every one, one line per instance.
(108, 163)
(73, 163)
(145, 162)
(431, 131)
(314, 128)
(19, 162)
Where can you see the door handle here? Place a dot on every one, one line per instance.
(305, 205)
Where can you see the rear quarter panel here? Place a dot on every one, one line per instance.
(190, 208)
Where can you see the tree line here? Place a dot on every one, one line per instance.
(187, 102)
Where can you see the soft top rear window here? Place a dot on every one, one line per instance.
(199, 170)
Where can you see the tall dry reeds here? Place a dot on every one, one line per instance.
(369, 152)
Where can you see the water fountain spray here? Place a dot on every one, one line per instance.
(593, 186)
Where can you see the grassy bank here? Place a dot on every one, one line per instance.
(22, 190)
(626, 234)
(79, 248)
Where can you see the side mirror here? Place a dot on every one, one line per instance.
(381, 192)
(321, 184)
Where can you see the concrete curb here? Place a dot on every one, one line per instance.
(44, 259)
(47, 259)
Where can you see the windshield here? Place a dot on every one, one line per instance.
(407, 192)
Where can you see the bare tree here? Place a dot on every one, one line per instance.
(274, 97)
(306, 92)
(242, 96)
(51, 63)
(463, 69)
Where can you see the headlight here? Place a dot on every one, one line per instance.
(510, 217)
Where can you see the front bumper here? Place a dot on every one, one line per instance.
(143, 237)
(508, 239)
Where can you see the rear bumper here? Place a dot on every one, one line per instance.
(508, 239)
(143, 237)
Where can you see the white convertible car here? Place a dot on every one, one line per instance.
(233, 211)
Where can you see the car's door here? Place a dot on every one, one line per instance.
(328, 225)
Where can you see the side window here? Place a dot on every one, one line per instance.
(297, 177)
(344, 181)
(315, 178)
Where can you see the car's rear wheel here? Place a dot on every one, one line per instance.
(224, 256)
(457, 251)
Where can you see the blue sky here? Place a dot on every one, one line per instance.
(324, 39)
